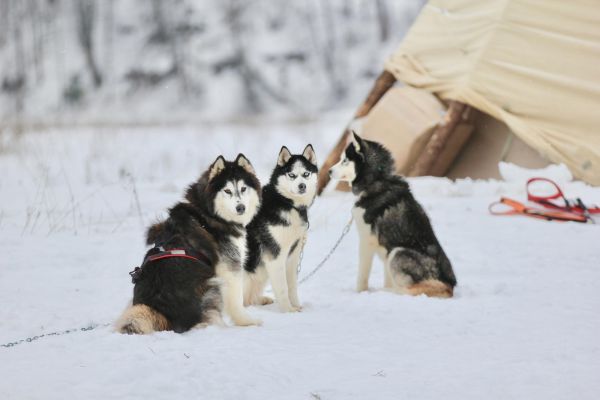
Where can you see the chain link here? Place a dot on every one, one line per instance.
(299, 267)
(335, 246)
(59, 333)
(94, 326)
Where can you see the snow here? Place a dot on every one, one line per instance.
(559, 173)
(523, 324)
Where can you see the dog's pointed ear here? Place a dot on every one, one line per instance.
(216, 168)
(243, 162)
(357, 142)
(309, 154)
(284, 156)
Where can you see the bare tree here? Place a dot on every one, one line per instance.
(165, 33)
(233, 16)
(329, 53)
(161, 34)
(15, 83)
(32, 15)
(108, 32)
(383, 20)
(4, 21)
(252, 81)
(56, 24)
(86, 14)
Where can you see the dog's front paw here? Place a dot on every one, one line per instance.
(362, 287)
(296, 305)
(288, 308)
(246, 320)
(264, 300)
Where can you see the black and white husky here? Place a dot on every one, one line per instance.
(204, 238)
(277, 234)
(392, 224)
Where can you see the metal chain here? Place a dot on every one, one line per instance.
(59, 333)
(299, 267)
(335, 246)
(94, 326)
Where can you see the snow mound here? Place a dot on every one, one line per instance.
(559, 173)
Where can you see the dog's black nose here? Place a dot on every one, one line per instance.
(240, 208)
(302, 187)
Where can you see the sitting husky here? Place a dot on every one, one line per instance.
(392, 224)
(276, 235)
(203, 237)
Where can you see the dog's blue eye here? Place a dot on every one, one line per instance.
(228, 191)
(292, 176)
(345, 161)
(306, 174)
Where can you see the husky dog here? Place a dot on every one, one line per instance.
(392, 224)
(277, 234)
(195, 267)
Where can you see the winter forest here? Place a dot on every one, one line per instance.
(152, 61)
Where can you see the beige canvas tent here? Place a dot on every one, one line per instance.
(476, 82)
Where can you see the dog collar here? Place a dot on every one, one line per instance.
(302, 210)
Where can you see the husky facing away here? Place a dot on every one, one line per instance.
(393, 224)
(195, 267)
(277, 234)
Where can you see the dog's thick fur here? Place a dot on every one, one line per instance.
(179, 293)
(392, 224)
(277, 234)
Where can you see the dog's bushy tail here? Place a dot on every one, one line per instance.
(141, 319)
(431, 288)
(423, 271)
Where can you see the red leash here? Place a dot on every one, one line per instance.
(572, 210)
(575, 206)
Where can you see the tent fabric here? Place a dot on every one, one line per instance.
(403, 120)
(533, 64)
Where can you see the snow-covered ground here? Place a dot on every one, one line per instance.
(73, 207)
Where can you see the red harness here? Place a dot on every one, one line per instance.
(158, 253)
(572, 210)
(180, 253)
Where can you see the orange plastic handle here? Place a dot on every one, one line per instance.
(520, 208)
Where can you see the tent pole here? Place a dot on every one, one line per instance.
(385, 81)
(457, 112)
